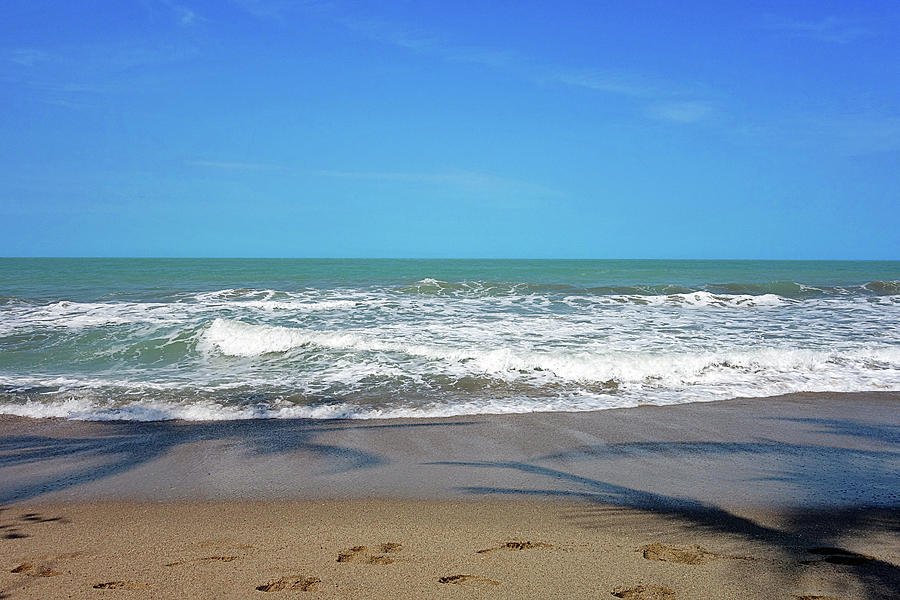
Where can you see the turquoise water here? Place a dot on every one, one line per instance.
(223, 339)
(92, 278)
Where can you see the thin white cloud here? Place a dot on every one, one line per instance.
(392, 34)
(828, 29)
(235, 165)
(469, 180)
(475, 182)
(501, 59)
(268, 9)
(681, 112)
(421, 41)
(594, 79)
(488, 57)
(185, 15)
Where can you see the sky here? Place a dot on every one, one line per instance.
(760, 130)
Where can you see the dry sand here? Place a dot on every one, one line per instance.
(426, 549)
(791, 497)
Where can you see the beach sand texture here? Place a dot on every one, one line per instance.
(790, 497)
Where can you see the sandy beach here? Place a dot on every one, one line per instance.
(335, 299)
(787, 497)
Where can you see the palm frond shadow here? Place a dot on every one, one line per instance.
(803, 530)
(124, 446)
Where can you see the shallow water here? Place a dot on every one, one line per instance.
(225, 339)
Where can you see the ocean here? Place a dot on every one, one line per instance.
(151, 339)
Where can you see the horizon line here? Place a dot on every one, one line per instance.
(498, 258)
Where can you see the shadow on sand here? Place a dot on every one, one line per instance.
(814, 534)
(125, 445)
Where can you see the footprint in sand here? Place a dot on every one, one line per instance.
(15, 535)
(291, 582)
(467, 580)
(121, 585)
(203, 559)
(361, 554)
(839, 556)
(37, 518)
(66, 555)
(225, 543)
(515, 545)
(687, 555)
(644, 592)
(33, 570)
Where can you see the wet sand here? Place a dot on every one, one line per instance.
(795, 496)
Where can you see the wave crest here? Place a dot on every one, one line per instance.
(673, 370)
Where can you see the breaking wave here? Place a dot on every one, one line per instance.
(428, 347)
(234, 338)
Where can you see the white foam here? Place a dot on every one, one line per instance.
(76, 316)
(194, 356)
(709, 299)
(273, 300)
(689, 299)
(672, 368)
(150, 409)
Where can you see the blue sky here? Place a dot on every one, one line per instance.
(450, 129)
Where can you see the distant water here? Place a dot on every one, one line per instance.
(228, 339)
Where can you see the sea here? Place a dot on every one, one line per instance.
(207, 339)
